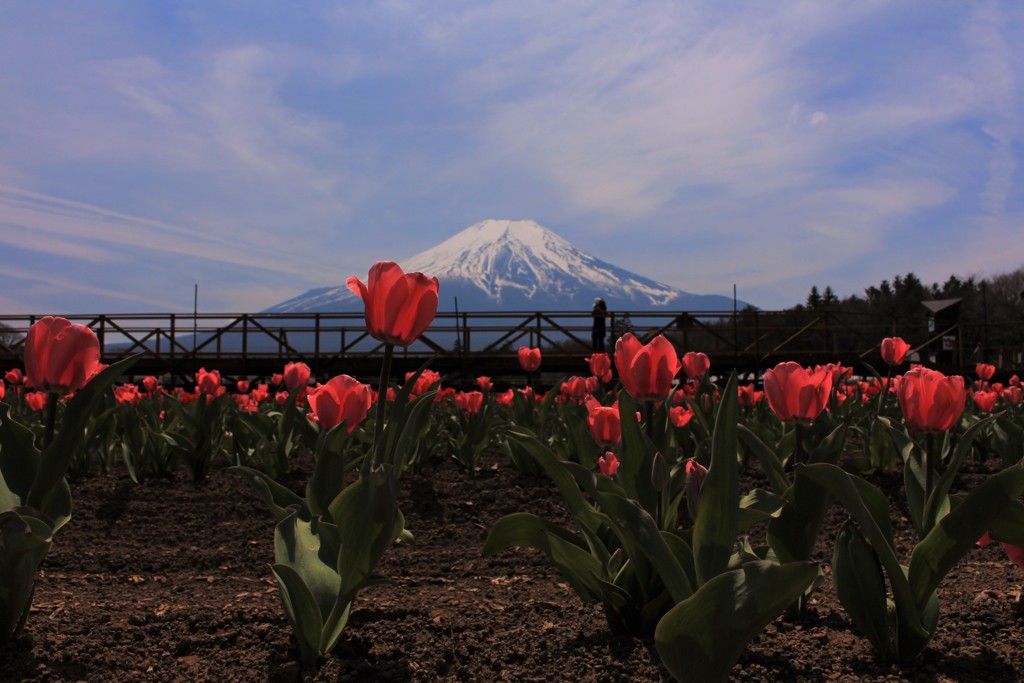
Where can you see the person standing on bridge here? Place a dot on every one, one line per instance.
(600, 314)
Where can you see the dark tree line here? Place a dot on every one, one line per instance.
(990, 312)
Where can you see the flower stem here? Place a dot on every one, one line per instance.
(382, 400)
(883, 390)
(929, 466)
(649, 419)
(798, 444)
(51, 418)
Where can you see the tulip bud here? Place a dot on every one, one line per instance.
(695, 475)
(608, 464)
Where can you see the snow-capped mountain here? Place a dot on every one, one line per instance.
(518, 265)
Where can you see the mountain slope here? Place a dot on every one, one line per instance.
(517, 265)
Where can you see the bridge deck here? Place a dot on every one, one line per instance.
(469, 344)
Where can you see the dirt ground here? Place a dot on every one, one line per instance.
(170, 581)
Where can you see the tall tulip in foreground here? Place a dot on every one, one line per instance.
(398, 306)
(797, 395)
(328, 544)
(35, 500)
(931, 403)
(60, 356)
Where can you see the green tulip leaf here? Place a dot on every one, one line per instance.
(771, 464)
(565, 550)
(297, 547)
(956, 533)
(1008, 527)
(19, 459)
(869, 508)
(301, 609)
(700, 639)
(24, 542)
(369, 522)
(937, 506)
(860, 586)
(714, 529)
(582, 511)
(637, 453)
(277, 497)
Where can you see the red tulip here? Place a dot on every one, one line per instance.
(295, 375)
(260, 393)
(894, 350)
(470, 402)
(36, 400)
(243, 386)
(529, 359)
(277, 378)
(985, 371)
(207, 382)
(59, 355)
(575, 387)
(930, 400)
(127, 393)
(1013, 395)
(342, 398)
(398, 306)
(609, 464)
(604, 423)
(424, 383)
(749, 396)
(601, 366)
(985, 400)
(150, 384)
(3, 390)
(795, 394)
(484, 383)
(695, 364)
(647, 371)
(14, 376)
(680, 416)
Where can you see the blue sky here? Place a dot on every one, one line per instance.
(260, 149)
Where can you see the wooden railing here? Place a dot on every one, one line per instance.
(485, 342)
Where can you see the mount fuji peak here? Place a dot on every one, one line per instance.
(518, 265)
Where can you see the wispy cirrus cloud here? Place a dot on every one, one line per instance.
(776, 145)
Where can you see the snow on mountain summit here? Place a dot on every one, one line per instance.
(517, 265)
(515, 259)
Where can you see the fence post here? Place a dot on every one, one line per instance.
(245, 341)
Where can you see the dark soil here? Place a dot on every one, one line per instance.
(170, 581)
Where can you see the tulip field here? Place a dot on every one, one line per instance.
(652, 518)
